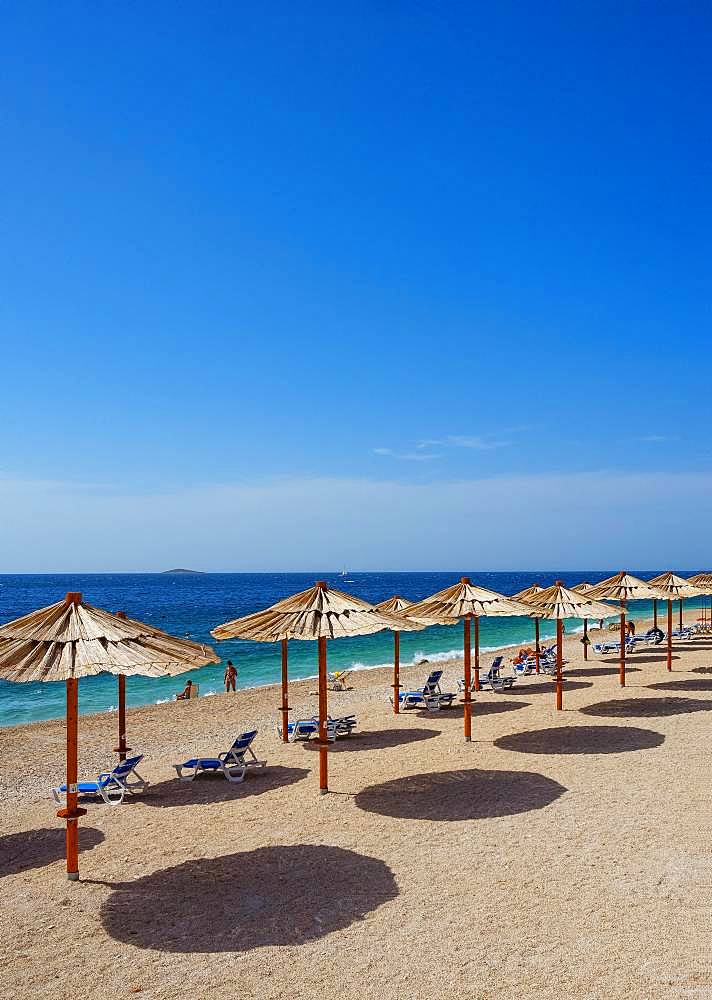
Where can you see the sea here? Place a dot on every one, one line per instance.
(189, 605)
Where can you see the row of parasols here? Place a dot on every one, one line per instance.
(71, 639)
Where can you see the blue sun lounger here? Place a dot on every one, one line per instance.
(304, 729)
(614, 646)
(111, 786)
(430, 696)
(493, 678)
(233, 764)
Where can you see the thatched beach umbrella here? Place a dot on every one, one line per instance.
(584, 588)
(623, 588)
(315, 614)
(704, 582)
(525, 596)
(466, 601)
(398, 605)
(69, 640)
(676, 588)
(557, 603)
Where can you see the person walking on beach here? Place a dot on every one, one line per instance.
(230, 677)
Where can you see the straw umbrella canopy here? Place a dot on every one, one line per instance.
(69, 640)
(584, 588)
(400, 606)
(557, 603)
(676, 588)
(704, 582)
(466, 601)
(623, 587)
(525, 596)
(315, 614)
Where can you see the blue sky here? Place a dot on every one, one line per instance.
(409, 286)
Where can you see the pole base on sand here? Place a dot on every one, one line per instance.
(71, 813)
(323, 791)
(468, 739)
(73, 876)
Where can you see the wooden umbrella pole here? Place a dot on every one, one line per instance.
(559, 663)
(467, 654)
(323, 742)
(655, 613)
(669, 636)
(477, 653)
(284, 707)
(538, 648)
(72, 812)
(623, 634)
(585, 638)
(396, 672)
(680, 614)
(122, 749)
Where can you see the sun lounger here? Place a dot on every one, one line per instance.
(430, 696)
(111, 786)
(337, 680)
(493, 678)
(233, 764)
(684, 633)
(304, 729)
(524, 667)
(614, 647)
(547, 663)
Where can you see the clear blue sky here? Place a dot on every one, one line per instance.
(405, 285)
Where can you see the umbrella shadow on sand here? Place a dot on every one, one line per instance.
(379, 739)
(646, 708)
(208, 788)
(582, 740)
(21, 852)
(480, 708)
(689, 684)
(599, 671)
(254, 899)
(460, 795)
(548, 687)
(641, 658)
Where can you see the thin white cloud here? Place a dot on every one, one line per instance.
(478, 442)
(654, 438)
(406, 456)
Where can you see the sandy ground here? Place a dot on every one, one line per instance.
(558, 855)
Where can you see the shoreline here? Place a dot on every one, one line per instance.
(444, 658)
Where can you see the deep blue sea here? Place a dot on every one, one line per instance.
(190, 605)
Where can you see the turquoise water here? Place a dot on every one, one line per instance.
(191, 605)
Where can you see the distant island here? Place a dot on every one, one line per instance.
(195, 572)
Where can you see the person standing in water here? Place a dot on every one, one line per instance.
(230, 676)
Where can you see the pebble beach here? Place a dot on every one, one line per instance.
(560, 854)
